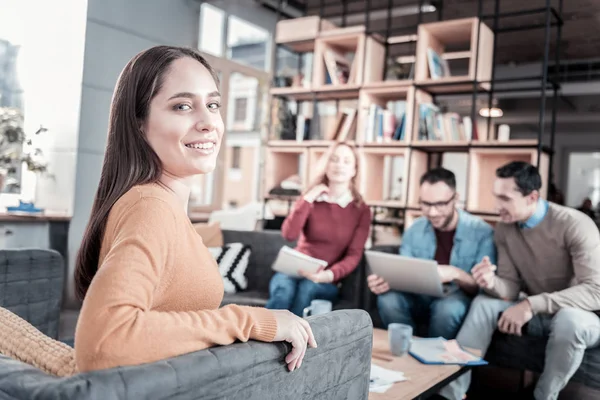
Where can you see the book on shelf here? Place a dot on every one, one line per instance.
(438, 67)
(339, 68)
(345, 126)
(303, 122)
(386, 124)
(435, 125)
(393, 173)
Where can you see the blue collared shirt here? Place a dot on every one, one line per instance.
(474, 239)
(540, 212)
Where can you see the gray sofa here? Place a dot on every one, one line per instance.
(265, 246)
(525, 353)
(338, 369)
(31, 283)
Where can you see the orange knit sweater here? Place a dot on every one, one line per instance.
(157, 290)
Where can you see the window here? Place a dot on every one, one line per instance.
(12, 71)
(243, 103)
(236, 153)
(247, 43)
(212, 29)
(241, 108)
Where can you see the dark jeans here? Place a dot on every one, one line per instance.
(295, 294)
(445, 315)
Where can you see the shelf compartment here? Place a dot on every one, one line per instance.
(482, 174)
(384, 173)
(283, 162)
(382, 111)
(452, 40)
(334, 68)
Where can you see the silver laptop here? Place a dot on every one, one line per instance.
(407, 274)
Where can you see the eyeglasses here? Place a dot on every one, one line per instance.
(437, 205)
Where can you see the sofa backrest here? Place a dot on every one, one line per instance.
(31, 286)
(265, 246)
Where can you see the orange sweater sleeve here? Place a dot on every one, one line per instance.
(117, 325)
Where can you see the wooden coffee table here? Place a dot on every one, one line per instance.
(423, 380)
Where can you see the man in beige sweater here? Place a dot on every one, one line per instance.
(548, 275)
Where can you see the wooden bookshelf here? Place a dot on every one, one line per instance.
(383, 162)
(482, 173)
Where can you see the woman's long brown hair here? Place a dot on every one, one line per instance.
(129, 160)
(322, 168)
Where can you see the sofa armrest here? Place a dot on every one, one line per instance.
(31, 284)
(338, 369)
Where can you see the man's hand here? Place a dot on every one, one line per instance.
(484, 273)
(318, 277)
(515, 317)
(377, 284)
(448, 273)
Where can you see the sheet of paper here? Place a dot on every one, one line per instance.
(382, 379)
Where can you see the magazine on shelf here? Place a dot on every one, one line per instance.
(290, 262)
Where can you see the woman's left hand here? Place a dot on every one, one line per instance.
(325, 276)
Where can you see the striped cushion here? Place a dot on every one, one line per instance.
(233, 262)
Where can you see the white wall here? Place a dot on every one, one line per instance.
(116, 31)
(584, 179)
(564, 142)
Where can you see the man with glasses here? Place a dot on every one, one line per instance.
(454, 238)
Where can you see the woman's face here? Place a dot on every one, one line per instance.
(341, 167)
(184, 125)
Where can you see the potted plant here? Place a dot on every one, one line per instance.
(16, 148)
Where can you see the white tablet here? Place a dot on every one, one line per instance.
(290, 261)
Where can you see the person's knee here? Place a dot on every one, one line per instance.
(567, 327)
(308, 289)
(391, 301)
(281, 286)
(451, 311)
(486, 306)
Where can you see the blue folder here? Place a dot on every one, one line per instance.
(427, 351)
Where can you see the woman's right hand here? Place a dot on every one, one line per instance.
(297, 331)
(315, 192)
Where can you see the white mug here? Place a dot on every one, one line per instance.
(317, 307)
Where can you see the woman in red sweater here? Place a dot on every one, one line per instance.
(331, 222)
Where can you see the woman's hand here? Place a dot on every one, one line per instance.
(315, 192)
(318, 277)
(297, 331)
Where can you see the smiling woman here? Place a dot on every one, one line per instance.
(150, 288)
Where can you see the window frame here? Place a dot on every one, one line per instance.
(227, 68)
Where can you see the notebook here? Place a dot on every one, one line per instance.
(442, 351)
(290, 261)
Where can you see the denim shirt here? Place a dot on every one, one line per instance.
(473, 239)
